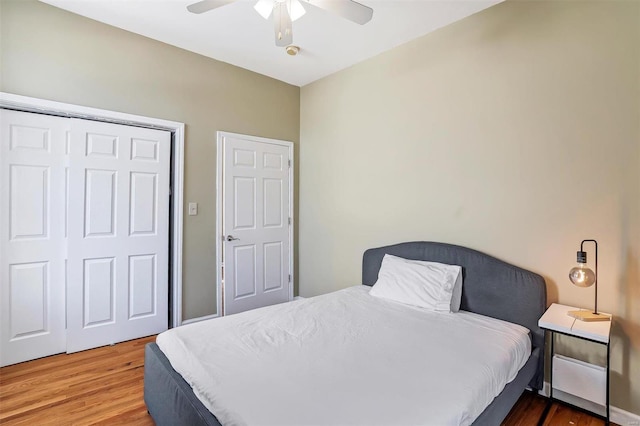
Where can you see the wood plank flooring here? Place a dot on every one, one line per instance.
(530, 408)
(99, 386)
(104, 386)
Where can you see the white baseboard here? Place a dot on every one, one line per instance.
(198, 319)
(617, 415)
(624, 418)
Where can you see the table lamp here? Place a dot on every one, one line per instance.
(582, 276)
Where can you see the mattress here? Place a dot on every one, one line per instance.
(347, 358)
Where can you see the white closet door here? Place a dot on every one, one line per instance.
(256, 224)
(118, 239)
(32, 240)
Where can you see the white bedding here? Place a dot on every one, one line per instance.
(347, 358)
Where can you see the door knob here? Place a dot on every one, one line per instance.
(231, 238)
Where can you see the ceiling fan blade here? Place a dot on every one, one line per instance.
(264, 8)
(348, 9)
(296, 9)
(282, 24)
(207, 5)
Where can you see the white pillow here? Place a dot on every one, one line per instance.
(431, 285)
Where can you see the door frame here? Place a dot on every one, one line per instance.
(219, 208)
(43, 106)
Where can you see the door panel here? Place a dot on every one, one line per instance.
(244, 203)
(28, 284)
(142, 285)
(101, 145)
(273, 259)
(244, 276)
(100, 202)
(118, 267)
(144, 150)
(98, 290)
(273, 202)
(32, 255)
(29, 201)
(143, 206)
(256, 216)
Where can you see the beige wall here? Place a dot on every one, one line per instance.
(52, 54)
(515, 131)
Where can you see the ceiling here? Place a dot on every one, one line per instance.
(238, 35)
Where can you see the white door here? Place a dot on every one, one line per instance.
(32, 240)
(256, 222)
(118, 238)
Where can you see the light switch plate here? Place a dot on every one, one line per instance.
(193, 209)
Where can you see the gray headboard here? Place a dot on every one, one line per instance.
(490, 286)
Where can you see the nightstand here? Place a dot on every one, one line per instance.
(577, 377)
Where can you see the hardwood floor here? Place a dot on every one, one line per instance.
(99, 386)
(104, 386)
(530, 408)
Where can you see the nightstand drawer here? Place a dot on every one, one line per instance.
(579, 378)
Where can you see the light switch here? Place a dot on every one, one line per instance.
(193, 209)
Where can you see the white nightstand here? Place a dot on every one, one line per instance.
(574, 372)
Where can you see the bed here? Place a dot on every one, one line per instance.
(491, 288)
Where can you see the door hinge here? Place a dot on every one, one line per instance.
(289, 162)
(289, 221)
(289, 277)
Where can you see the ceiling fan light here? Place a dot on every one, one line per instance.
(264, 8)
(296, 10)
(282, 24)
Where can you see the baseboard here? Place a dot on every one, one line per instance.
(198, 319)
(618, 415)
(624, 418)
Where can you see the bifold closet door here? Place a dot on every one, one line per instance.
(32, 236)
(84, 234)
(119, 233)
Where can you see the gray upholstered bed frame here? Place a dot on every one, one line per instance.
(491, 287)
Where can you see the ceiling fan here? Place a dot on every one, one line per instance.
(286, 11)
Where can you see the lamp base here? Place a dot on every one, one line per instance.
(588, 316)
